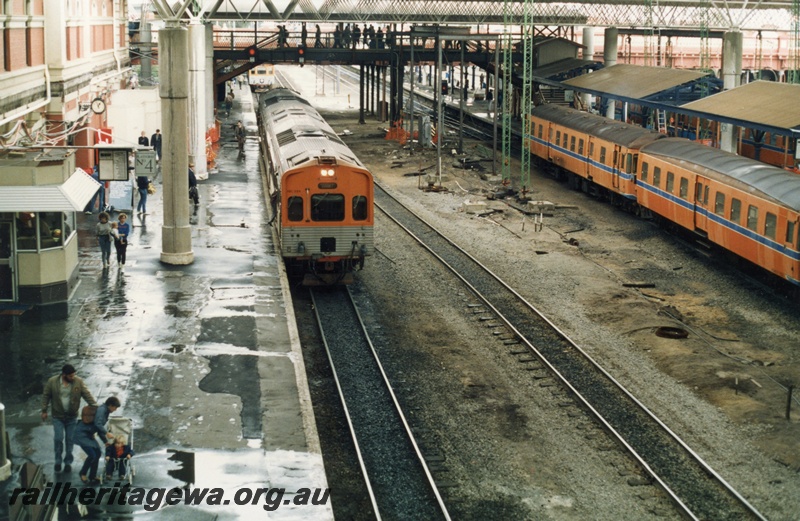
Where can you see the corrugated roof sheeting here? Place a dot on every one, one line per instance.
(633, 81)
(72, 196)
(763, 102)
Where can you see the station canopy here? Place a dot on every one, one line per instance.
(633, 81)
(71, 196)
(763, 102)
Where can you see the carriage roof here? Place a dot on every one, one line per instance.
(300, 132)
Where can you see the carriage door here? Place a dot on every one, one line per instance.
(7, 277)
(619, 160)
(701, 205)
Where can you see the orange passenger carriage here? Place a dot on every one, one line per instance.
(741, 205)
(744, 206)
(601, 152)
(321, 194)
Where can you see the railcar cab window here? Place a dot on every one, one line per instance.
(719, 204)
(736, 210)
(359, 208)
(294, 208)
(752, 218)
(327, 207)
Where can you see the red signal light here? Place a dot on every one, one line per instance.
(251, 51)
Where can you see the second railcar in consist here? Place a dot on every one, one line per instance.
(743, 206)
(321, 194)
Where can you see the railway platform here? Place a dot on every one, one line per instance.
(205, 358)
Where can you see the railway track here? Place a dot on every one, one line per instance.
(398, 481)
(693, 486)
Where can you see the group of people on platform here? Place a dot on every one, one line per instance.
(75, 426)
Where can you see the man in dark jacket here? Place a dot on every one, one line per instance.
(155, 142)
(63, 393)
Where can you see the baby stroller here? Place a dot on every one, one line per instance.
(123, 426)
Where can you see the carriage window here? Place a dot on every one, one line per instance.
(603, 155)
(719, 204)
(790, 227)
(770, 223)
(752, 217)
(628, 163)
(327, 207)
(736, 210)
(572, 143)
(359, 208)
(294, 208)
(684, 190)
(657, 176)
(645, 166)
(670, 181)
(580, 146)
(558, 138)
(540, 131)
(698, 193)
(705, 197)
(565, 143)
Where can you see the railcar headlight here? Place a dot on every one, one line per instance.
(327, 172)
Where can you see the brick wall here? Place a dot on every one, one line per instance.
(16, 54)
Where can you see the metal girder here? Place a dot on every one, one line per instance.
(716, 14)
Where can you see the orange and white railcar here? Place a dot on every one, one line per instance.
(321, 194)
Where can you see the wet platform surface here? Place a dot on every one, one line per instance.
(204, 357)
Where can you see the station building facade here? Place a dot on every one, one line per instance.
(62, 62)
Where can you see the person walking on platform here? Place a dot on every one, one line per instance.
(99, 195)
(318, 37)
(194, 195)
(155, 142)
(303, 35)
(143, 141)
(104, 238)
(239, 134)
(63, 393)
(142, 184)
(121, 240)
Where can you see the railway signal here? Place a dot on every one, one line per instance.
(301, 54)
(251, 53)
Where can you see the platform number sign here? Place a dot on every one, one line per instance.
(145, 162)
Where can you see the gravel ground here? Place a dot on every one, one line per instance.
(504, 445)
